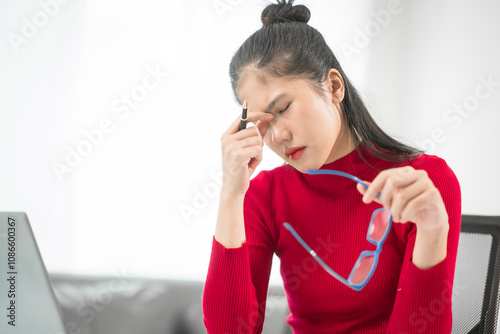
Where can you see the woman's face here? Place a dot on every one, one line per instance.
(308, 120)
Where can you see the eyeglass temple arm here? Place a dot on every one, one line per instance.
(336, 172)
(313, 253)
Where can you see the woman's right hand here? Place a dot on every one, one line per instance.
(242, 152)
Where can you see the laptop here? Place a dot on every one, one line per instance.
(27, 302)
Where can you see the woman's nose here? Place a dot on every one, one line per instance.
(279, 133)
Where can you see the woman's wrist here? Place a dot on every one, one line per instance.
(230, 227)
(430, 247)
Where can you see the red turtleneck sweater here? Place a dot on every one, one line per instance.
(328, 213)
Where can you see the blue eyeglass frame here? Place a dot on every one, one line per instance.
(363, 254)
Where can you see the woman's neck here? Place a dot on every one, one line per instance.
(343, 146)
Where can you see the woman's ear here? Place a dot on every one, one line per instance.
(336, 84)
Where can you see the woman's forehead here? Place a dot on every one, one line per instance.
(252, 88)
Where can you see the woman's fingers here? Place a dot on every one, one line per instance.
(399, 177)
(251, 117)
(401, 197)
(410, 195)
(398, 187)
(242, 152)
(363, 190)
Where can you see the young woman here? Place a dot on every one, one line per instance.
(303, 107)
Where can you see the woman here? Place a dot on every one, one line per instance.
(305, 109)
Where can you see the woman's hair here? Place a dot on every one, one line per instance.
(286, 46)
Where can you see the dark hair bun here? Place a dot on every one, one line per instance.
(285, 12)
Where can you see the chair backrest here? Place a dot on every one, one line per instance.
(477, 276)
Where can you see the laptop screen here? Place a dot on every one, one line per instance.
(27, 301)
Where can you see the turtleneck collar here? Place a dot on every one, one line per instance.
(350, 163)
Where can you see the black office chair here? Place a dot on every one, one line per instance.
(477, 277)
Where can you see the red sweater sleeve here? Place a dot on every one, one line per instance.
(423, 298)
(235, 290)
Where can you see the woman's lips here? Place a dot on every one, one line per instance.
(297, 154)
(292, 150)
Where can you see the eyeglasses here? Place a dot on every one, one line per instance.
(380, 225)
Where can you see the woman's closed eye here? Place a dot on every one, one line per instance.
(282, 111)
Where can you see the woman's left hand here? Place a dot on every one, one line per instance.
(410, 195)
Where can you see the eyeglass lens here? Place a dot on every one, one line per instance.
(379, 225)
(378, 228)
(362, 270)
